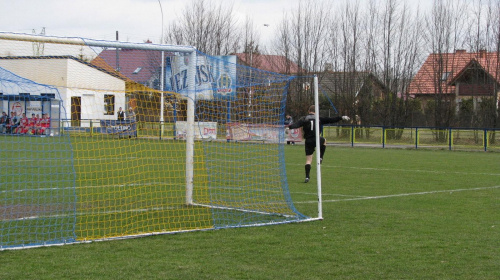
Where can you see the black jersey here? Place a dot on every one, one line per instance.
(308, 124)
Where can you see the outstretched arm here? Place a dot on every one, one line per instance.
(325, 120)
(296, 124)
(334, 119)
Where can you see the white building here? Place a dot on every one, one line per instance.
(88, 92)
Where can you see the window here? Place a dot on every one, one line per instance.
(49, 95)
(136, 71)
(109, 104)
(445, 76)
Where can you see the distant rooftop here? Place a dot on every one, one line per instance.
(271, 63)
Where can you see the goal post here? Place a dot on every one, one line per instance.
(190, 128)
(318, 156)
(125, 156)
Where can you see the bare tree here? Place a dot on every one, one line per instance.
(302, 35)
(211, 28)
(250, 38)
(443, 35)
(347, 30)
(301, 39)
(487, 38)
(375, 53)
(495, 34)
(400, 46)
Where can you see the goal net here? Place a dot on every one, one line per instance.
(107, 140)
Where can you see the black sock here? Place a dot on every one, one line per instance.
(322, 151)
(308, 170)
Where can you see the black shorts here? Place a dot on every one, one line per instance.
(311, 145)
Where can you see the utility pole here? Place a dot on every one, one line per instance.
(117, 55)
(38, 47)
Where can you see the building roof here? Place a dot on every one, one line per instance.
(347, 82)
(454, 65)
(271, 63)
(101, 64)
(95, 66)
(137, 65)
(12, 84)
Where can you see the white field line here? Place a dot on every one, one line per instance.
(137, 210)
(88, 187)
(170, 159)
(397, 195)
(406, 170)
(329, 194)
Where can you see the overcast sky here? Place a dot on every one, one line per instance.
(136, 20)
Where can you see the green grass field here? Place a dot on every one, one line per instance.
(388, 214)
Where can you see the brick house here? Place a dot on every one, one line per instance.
(272, 63)
(457, 77)
(140, 66)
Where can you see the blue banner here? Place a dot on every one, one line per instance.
(125, 127)
(215, 76)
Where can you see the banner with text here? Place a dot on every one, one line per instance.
(202, 130)
(261, 132)
(125, 127)
(215, 76)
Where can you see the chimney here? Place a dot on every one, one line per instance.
(460, 51)
(482, 53)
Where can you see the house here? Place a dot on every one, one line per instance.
(272, 63)
(87, 92)
(357, 84)
(140, 66)
(352, 91)
(458, 76)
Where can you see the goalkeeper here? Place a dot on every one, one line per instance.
(309, 132)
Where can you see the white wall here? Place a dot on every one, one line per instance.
(72, 78)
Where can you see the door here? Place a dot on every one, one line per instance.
(76, 110)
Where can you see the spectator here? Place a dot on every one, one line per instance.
(13, 123)
(23, 126)
(289, 121)
(121, 114)
(44, 124)
(37, 124)
(131, 114)
(4, 121)
(31, 124)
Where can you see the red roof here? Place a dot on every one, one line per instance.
(137, 65)
(454, 64)
(271, 63)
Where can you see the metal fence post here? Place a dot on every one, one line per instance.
(416, 138)
(383, 136)
(352, 135)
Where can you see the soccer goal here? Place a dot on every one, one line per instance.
(109, 140)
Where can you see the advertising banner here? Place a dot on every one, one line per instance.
(202, 130)
(215, 76)
(34, 107)
(261, 132)
(17, 106)
(125, 127)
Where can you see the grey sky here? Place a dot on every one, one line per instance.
(136, 20)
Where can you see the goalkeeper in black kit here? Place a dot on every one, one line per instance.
(309, 131)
